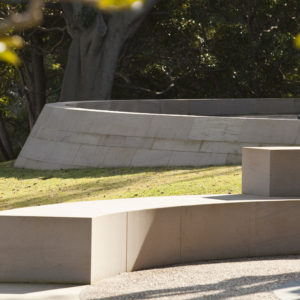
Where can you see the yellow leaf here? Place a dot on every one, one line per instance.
(297, 41)
(3, 47)
(112, 5)
(7, 43)
(10, 57)
(13, 41)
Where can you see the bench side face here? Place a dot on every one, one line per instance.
(45, 249)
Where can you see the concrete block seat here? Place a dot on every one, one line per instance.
(271, 171)
(190, 132)
(85, 241)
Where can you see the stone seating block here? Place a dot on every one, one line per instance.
(271, 171)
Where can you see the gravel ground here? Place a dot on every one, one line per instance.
(227, 279)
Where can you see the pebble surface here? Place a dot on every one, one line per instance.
(254, 278)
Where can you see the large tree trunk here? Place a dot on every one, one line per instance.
(95, 49)
(33, 79)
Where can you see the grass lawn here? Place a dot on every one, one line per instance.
(21, 187)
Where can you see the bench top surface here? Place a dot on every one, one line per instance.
(91, 209)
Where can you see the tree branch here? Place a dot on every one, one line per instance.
(14, 2)
(130, 85)
(31, 17)
(34, 14)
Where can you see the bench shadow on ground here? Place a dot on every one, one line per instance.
(235, 288)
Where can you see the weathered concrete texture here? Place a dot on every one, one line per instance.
(141, 133)
(41, 249)
(153, 238)
(109, 242)
(84, 242)
(271, 171)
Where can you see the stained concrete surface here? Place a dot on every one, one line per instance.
(23, 291)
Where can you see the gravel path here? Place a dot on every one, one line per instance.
(227, 279)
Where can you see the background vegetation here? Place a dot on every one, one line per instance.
(183, 49)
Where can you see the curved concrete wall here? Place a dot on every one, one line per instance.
(205, 107)
(155, 132)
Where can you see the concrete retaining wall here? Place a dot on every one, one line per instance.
(140, 133)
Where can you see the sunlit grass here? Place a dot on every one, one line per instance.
(20, 187)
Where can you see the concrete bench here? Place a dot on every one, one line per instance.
(271, 171)
(84, 242)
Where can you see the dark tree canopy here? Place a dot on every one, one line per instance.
(210, 49)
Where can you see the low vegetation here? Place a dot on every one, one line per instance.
(20, 187)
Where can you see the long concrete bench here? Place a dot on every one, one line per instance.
(86, 241)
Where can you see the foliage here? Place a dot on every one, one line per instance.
(210, 49)
(23, 90)
(184, 49)
(12, 110)
(33, 16)
(20, 187)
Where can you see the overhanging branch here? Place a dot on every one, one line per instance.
(31, 17)
(34, 13)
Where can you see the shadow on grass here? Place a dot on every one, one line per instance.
(7, 170)
(79, 191)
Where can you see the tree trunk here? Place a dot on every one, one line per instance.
(39, 77)
(95, 49)
(5, 144)
(33, 79)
